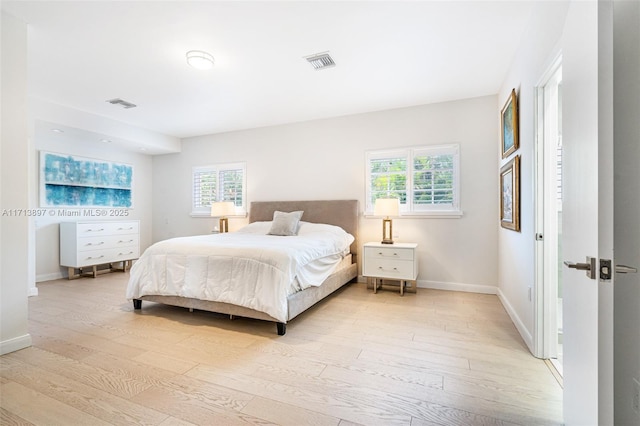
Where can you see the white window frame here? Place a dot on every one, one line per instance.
(205, 211)
(409, 208)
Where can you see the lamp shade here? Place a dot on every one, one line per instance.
(387, 207)
(222, 208)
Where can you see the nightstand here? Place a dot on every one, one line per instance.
(396, 261)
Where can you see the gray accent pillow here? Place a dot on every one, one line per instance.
(285, 224)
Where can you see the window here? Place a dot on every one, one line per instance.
(220, 182)
(425, 179)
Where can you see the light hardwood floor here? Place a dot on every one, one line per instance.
(431, 358)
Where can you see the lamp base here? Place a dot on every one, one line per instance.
(224, 225)
(387, 231)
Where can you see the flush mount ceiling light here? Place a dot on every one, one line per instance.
(200, 60)
(320, 61)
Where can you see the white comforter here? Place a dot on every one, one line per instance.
(246, 268)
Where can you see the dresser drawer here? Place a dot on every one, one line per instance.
(100, 242)
(108, 255)
(92, 229)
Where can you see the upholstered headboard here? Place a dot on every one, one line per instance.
(342, 213)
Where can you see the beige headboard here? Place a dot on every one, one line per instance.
(342, 213)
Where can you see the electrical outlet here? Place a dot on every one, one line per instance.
(636, 396)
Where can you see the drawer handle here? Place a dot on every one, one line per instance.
(122, 254)
(382, 254)
(122, 241)
(95, 230)
(125, 229)
(96, 244)
(382, 269)
(91, 257)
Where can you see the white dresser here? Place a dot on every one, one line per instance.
(86, 245)
(396, 261)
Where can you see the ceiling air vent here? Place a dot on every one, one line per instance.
(122, 103)
(320, 61)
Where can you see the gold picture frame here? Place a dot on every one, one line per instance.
(509, 125)
(510, 195)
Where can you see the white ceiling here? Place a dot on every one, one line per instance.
(389, 54)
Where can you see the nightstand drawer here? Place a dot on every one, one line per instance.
(389, 268)
(388, 253)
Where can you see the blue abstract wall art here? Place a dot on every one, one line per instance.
(70, 181)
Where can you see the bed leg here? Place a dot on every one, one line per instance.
(137, 304)
(282, 328)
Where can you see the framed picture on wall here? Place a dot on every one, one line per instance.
(510, 195)
(509, 125)
(71, 181)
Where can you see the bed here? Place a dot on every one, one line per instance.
(150, 280)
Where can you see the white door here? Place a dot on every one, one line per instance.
(626, 109)
(548, 216)
(587, 213)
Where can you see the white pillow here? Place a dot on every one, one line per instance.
(285, 224)
(259, 228)
(341, 237)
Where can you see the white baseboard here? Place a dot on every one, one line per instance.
(49, 277)
(524, 333)
(15, 344)
(33, 291)
(469, 288)
(442, 285)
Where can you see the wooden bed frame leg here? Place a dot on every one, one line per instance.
(282, 328)
(137, 304)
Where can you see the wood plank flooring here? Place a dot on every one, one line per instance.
(431, 358)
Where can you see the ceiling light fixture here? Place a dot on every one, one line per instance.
(200, 60)
(320, 61)
(57, 130)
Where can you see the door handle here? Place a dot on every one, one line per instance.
(578, 266)
(623, 269)
(589, 266)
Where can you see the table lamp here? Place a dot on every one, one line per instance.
(222, 209)
(387, 207)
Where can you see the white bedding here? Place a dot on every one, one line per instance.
(246, 268)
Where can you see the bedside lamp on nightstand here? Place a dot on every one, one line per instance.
(387, 207)
(222, 209)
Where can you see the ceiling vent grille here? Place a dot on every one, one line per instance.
(320, 61)
(122, 103)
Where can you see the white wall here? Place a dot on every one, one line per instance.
(14, 230)
(83, 143)
(516, 267)
(325, 159)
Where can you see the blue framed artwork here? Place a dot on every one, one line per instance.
(509, 125)
(70, 181)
